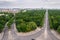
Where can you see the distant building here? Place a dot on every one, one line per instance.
(14, 10)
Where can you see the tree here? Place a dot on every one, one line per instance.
(58, 29)
(29, 19)
(1, 28)
(32, 25)
(22, 27)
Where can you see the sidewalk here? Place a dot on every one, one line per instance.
(1, 35)
(29, 33)
(10, 36)
(56, 34)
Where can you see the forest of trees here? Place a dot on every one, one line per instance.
(4, 19)
(28, 20)
(54, 17)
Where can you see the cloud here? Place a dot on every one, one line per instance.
(30, 3)
(8, 0)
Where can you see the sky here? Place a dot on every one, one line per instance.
(30, 4)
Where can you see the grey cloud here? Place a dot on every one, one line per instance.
(32, 4)
(4, 3)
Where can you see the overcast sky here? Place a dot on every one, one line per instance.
(29, 3)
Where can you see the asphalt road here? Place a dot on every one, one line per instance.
(48, 34)
(5, 33)
(29, 37)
